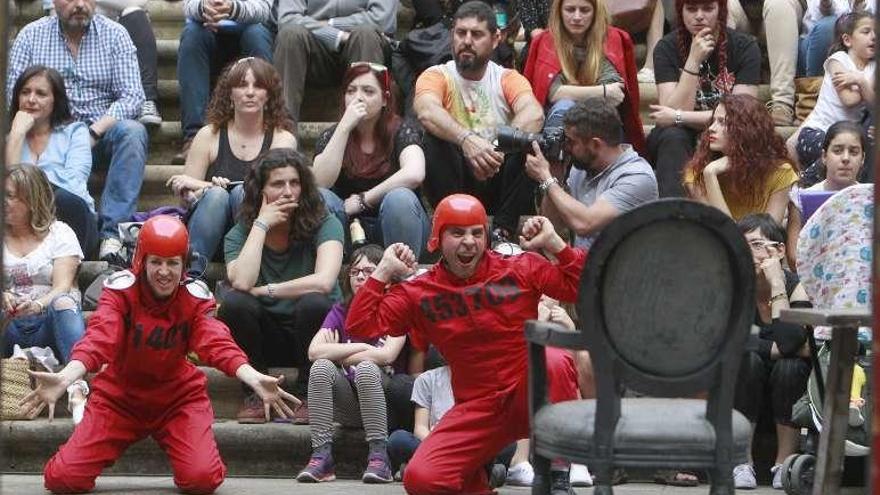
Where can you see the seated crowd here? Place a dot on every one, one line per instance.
(82, 88)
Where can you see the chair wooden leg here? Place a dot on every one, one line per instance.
(541, 481)
(603, 475)
(721, 480)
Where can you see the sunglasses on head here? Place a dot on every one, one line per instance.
(378, 68)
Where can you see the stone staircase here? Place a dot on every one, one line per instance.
(249, 450)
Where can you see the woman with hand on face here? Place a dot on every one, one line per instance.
(41, 302)
(581, 57)
(347, 380)
(372, 162)
(776, 360)
(43, 133)
(282, 259)
(246, 117)
(694, 66)
(741, 165)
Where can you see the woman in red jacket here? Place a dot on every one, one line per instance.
(580, 57)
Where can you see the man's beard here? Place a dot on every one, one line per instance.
(77, 24)
(467, 65)
(584, 162)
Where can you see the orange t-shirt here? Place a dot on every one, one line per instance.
(482, 105)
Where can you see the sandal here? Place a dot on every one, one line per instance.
(672, 477)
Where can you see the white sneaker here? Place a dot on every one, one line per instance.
(77, 394)
(744, 477)
(579, 475)
(776, 471)
(856, 419)
(110, 247)
(645, 75)
(150, 114)
(520, 475)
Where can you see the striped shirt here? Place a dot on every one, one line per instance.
(103, 79)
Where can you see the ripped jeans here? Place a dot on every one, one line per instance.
(59, 327)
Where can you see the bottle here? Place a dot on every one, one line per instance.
(500, 9)
(358, 237)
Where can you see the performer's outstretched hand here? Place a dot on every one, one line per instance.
(50, 387)
(269, 389)
(396, 264)
(538, 233)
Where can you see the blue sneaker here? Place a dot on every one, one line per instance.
(378, 470)
(320, 468)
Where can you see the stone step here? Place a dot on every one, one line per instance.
(269, 450)
(307, 133)
(227, 394)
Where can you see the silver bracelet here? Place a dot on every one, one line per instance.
(261, 225)
(543, 186)
(270, 289)
(678, 119)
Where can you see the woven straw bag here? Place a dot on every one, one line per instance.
(15, 384)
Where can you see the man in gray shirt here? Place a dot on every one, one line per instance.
(607, 178)
(318, 39)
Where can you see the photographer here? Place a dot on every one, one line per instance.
(607, 178)
(460, 104)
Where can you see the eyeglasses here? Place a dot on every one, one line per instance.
(241, 60)
(759, 245)
(381, 69)
(365, 271)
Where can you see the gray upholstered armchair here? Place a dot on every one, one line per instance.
(666, 303)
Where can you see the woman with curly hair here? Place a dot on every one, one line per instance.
(695, 65)
(741, 165)
(581, 57)
(246, 117)
(282, 259)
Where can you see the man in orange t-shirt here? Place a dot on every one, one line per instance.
(461, 104)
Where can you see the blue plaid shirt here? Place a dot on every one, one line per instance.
(103, 79)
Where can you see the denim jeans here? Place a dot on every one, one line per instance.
(59, 329)
(401, 218)
(557, 113)
(124, 148)
(212, 217)
(201, 57)
(813, 48)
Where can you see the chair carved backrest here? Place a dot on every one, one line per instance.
(666, 303)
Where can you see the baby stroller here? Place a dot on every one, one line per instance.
(834, 265)
(798, 469)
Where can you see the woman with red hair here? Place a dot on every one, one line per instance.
(371, 163)
(695, 66)
(741, 165)
(580, 57)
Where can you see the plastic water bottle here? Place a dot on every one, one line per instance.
(358, 237)
(500, 9)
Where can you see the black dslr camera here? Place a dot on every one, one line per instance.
(551, 141)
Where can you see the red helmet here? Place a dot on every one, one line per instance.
(456, 209)
(162, 235)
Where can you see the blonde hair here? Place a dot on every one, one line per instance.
(32, 186)
(594, 41)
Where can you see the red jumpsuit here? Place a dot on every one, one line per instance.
(149, 388)
(477, 325)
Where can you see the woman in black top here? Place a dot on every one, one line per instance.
(776, 364)
(245, 118)
(372, 162)
(694, 66)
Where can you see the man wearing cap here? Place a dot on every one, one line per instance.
(147, 320)
(472, 306)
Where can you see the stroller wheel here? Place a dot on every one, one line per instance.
(802, 473)
(786, 474)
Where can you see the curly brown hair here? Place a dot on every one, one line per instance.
(754, 151)
(310, 213)
(220, 111)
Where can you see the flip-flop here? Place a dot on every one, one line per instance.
(672, 477)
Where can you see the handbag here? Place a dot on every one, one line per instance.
(427, 46)
(633, 16)
(15, 384)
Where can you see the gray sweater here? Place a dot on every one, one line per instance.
(243, 11)
(341, 15)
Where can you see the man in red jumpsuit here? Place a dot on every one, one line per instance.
(473, 306)
(147, 321)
